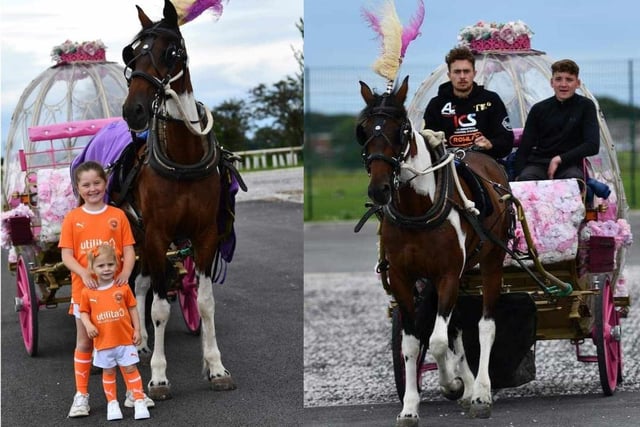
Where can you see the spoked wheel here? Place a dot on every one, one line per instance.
(26, 304)
(606, 337)
(188, 297)
(398, 358)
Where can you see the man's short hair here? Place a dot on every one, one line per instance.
(460, 53)
(565, 66)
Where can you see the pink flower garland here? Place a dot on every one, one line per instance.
(55, 199)
(554, 212)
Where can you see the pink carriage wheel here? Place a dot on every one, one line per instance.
(188, 297)
(606, 336)
(27, 304)
(398, 357)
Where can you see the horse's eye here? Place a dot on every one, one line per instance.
(170, 56)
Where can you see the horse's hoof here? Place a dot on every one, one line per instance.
(480, 410)
(222, 383)
(407, 421)
(160, 392)
(465, 404)
(452, 393)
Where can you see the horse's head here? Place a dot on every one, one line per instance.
(155, 60)
(384, 132)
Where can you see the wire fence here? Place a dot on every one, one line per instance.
(335, 90)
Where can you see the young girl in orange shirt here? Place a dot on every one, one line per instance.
(110, 318)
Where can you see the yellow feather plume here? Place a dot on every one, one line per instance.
(388, 64)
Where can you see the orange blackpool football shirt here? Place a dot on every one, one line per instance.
(83, 230)
(109, 311)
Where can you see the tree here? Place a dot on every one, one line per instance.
(280, 106)
(231, 124)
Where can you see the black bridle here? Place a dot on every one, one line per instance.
(174, 56)
(380, 115)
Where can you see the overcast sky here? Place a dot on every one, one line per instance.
(251, 43)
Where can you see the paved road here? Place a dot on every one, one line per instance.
(348, 369)
(259, 328)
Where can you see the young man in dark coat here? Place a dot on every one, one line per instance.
(560, 131)
(467, 113)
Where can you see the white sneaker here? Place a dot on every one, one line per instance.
(140, 410)
(129, 401)
(80, 406)
(113, 411)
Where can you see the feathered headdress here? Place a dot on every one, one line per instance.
(395, 39)
(188, 10)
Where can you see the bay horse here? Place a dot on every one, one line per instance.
(431, 233)
(176, 192)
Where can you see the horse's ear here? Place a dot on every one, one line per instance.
(170, 14)
(366, 93)
(401, 94)
(144, 19)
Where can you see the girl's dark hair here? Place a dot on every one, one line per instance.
(89, 165)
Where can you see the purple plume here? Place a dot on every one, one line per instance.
(199, 6)
(372, 20)
(412, 31)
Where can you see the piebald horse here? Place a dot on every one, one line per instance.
(176, 194)
(432, 232)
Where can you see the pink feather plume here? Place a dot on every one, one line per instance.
(409, 34)
(372, 20)
(188, 10)
(412, 31)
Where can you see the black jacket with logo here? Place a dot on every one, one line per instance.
(464, 119)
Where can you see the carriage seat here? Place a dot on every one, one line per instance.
(554, 211)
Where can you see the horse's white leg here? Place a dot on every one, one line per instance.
(464, 372)
(481, 398)
(411, 401)
(159, 386)
(219, 378)
(143, 283)
(450, 386)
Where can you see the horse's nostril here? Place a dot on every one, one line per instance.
(380, 194)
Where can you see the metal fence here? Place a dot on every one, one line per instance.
(271, 158)
(334, 90)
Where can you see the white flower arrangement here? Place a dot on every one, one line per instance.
(89, 48)
(507, 32)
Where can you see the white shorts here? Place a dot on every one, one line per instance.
(76, 310)
(123, 355)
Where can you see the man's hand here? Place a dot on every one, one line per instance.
(553, 166)
(482, 143)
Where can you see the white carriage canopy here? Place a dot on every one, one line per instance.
(82, 85)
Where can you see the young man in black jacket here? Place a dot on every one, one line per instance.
(469, 114)
(560, 131)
